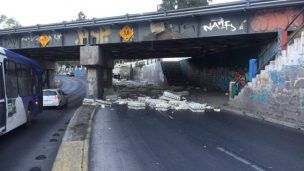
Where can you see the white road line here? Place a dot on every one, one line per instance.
(241, 159)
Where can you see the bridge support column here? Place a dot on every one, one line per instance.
(94, 88)
(49, 69)
(99, 70)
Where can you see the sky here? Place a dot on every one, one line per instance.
(32, 12)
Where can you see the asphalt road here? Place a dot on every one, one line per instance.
(139, 140)
(35, 148)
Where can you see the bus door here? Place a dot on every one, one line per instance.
(2, 102)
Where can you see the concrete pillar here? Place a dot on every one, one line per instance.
(94, 87)
(49, 68)
(99, 70)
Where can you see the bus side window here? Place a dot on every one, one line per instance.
(11, 79)
(25, 80)
(21, 72)
(32, 82)
(1, 84)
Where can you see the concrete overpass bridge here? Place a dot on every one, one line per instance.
(197, 32)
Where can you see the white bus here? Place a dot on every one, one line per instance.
(20, 90)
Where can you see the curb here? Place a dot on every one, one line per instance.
(261, 118)
(73, 153)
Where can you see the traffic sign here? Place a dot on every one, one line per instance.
(126, 33)
(43, 40)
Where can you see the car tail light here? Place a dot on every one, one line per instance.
(56, 97)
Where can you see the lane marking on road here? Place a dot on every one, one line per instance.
(241, 159)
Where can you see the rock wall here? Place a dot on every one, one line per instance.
(277, 93)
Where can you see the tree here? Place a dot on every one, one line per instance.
(81, 16)
(6, 22)
(179, 4)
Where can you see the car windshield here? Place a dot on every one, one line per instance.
(49, 93)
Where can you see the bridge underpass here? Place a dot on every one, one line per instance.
(233, 141)
(200, 49)
(195, 47)
(212, 51)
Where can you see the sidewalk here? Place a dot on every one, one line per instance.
(73, 152)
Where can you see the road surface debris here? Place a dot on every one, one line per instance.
(140, 95)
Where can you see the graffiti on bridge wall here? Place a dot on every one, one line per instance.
(271, 20)
(222, 24)
(30, 40)
(54, 38)
(11, 42)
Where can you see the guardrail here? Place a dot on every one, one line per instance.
(159, 15)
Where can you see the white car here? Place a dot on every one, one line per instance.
(54, 97)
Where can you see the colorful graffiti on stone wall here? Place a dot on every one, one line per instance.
(215, 79)
(218, 79)
(278, 91)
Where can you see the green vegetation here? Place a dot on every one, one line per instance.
(81, 16)
(6, 22)
(179, 4)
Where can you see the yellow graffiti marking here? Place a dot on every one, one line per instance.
(157, 27)
(83, 35)
(104, 34)
(126, 33)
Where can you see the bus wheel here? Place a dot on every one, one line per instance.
(29, 116)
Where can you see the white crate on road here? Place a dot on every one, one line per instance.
(136, 105)
(87, 101)
(103, 103)
(178, 105)
(122, 101)
(197, 107)
(172, 96)
(162, 106)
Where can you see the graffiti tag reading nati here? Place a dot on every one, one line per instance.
(220, 24)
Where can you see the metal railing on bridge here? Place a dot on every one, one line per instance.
(159, 15)
(274, 48)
